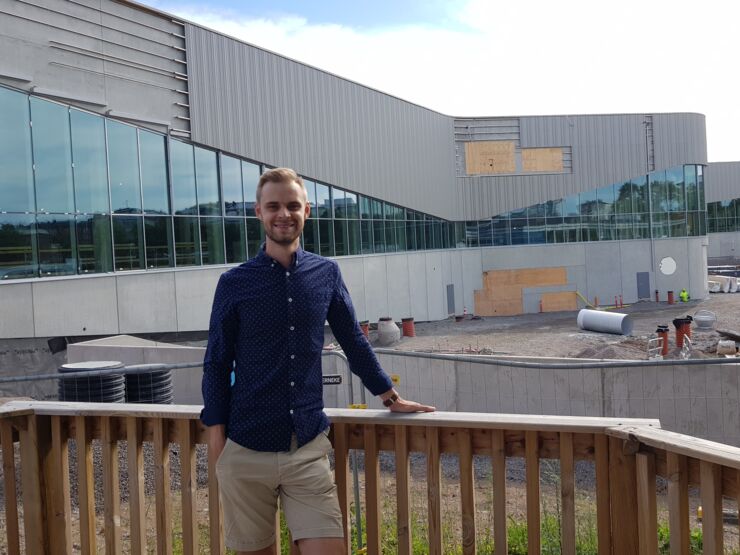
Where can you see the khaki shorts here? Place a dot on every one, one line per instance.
(250, 483)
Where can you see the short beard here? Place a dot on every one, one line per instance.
(284, 241)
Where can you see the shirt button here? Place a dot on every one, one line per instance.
(287, 273)
(292, 328)
(272, 265)
(291, 411)
(292, 384)
(290, 299)
(292, 357)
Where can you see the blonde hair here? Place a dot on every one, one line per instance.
(280, 175)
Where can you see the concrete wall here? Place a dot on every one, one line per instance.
(724, 248)
(722, 181)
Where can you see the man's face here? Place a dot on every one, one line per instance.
(283, 209)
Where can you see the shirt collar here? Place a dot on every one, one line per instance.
(263, 258)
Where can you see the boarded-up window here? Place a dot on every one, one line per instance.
(488, 157)
(542, 159)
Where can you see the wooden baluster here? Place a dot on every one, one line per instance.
(568, 494)
(403, 490)
(57, 469)
(11, 499)
(467, 490)
(678, 503)
(85, 487)
(498, 462)
(372, 490)
(532, 457)
(111, 488)
(647, 506)
(341, 478)
(136, 499)
(603, 502)
(434, 482)
(711, 503)
(623, 495)
(188, 486)
(33, 442)
(162, 487)
(215, 514)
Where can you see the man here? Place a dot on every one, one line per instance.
(268, 430)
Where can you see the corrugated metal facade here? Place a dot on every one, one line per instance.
(723, 181)
(604, 148)
(263, 106)
(108, 57)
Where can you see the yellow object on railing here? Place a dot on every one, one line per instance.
(357, 406)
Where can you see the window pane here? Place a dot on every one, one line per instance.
(642, 226)
(377, 209)
(153, 153)
(501, 231)
(123, 162)
(678, 224)
(660, 225)
(624, 227)
(183, 178)
(351, 207)
(692, 197)
(640, 194)
(589, 228)
(56, 245)
(16, 177)
(676, 192)
(187, 241)
(379, 235)
(341, 248)
(340, 204)
(607, 229)
(700, 186)
(310, 236)
(231, 182)
(52, 154)
(250, 178)
(255, 236)
(128, 240)
(17, 246)
(519, 234)
(353, 236)
(236, 240)
(212, 240)
(572, 229)
(365, 208)
(471, 234)
(623, 198)
(390, 235)
(326, 236)
(485, 233)
(90, 171)
(323, 201)
(411, 236)
(400, 235)
(206, 176)
(588, 203)
(159, 248)
(366, 232)
(420, 232)
(389, 210)
(605, 197)
(536, 228)
(94, 245)
(658, 192)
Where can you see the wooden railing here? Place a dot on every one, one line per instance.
(627, 454)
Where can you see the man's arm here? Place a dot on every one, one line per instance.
(362, 359)
(217, 366)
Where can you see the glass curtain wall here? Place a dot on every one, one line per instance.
(81, 193)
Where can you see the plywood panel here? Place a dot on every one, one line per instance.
(526, 277)
(563, 300)
(507, 308)
(489, 157)
(505, 293)
(542, 159)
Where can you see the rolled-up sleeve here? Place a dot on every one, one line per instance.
(219, 358)
(344, 325)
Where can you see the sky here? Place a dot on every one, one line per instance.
(513, 57)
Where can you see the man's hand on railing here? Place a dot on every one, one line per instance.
(396, 403)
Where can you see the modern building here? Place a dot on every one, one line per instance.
(131, 143)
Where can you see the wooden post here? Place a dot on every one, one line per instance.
(403, 491)
(623, 495)
(567, 494)
(215, 514)
(498, 461)
(135, 461)
(603, 502)
(86, 486)
(341, 478)
(35, 441)
(711, 503)
(434, 479)
(188, 487)
(678, 502)
(162, 487)
(532, 457)
(111, 488)
(11, 499)
(467, 490)
(56, 468)
(647, 506)
(372, 490)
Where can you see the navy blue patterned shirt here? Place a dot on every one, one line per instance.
(267, 323)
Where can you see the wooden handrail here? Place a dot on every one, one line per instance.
(628, 455)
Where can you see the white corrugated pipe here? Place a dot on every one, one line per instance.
(606, 322)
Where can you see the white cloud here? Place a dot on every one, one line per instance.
(532, 57)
